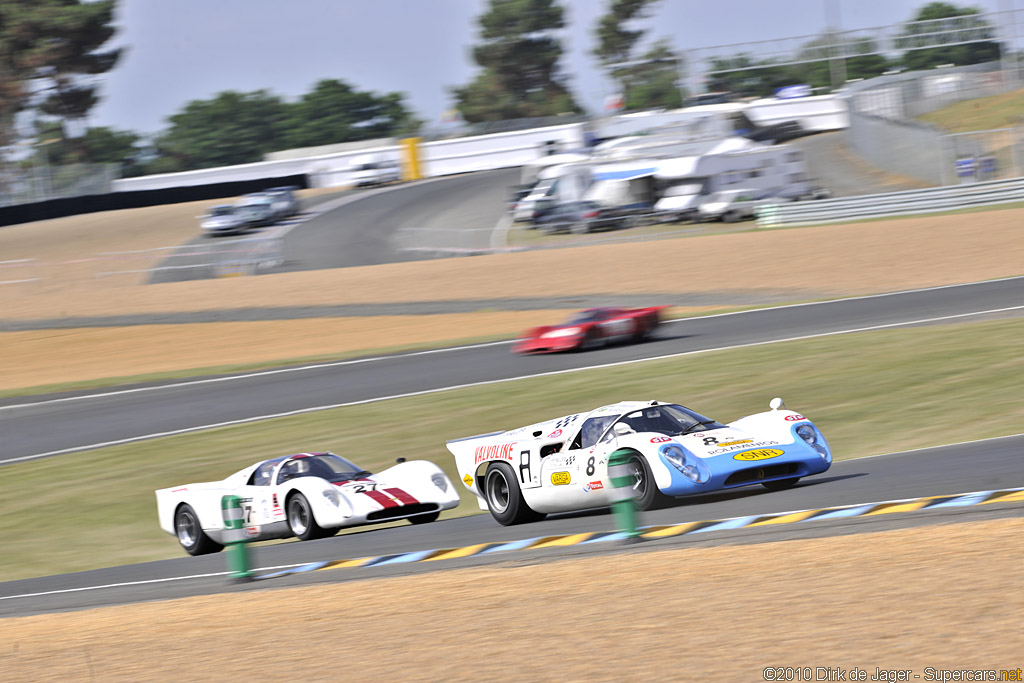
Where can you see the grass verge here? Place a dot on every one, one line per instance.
(871, 393)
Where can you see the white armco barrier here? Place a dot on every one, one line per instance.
(497, 150)
(442, 157)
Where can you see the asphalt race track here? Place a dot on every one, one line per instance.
(367, 227)
(92, 419)
(953, 469)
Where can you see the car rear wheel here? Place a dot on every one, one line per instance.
(190, 533)
(425, 519)
(301, 520)
(504, 498)
(780, 484)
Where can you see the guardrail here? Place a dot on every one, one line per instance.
(908, 202)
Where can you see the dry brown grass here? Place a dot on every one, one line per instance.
(896, 600)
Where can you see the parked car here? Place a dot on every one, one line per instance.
(730, 206)
(308, 495)
(590, 328)
(222, 219)
(285, 203)
(373, 169)
(562, 465)
(577, 218)
(256, 209)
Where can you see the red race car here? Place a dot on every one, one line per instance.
(590, 328)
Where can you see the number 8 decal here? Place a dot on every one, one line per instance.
(590, 467)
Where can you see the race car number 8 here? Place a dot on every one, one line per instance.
(590, 467)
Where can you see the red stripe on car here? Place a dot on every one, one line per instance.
(402, 496)
(385, 501)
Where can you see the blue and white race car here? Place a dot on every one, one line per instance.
(562, 465)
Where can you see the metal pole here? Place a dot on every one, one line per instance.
(234, 539)
(621, 477)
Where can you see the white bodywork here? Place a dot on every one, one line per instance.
(558, 473)
(375, 497)
(221, 218)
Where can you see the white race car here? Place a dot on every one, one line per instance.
(562, 465)
(309, 495)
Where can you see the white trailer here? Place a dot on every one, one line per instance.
(777, 171)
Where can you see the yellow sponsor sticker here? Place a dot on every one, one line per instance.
(560, 478)
(468, 479)
(759, 454)
(735, 443)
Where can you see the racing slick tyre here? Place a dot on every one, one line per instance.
(190, 533)
(646, 495)
(504, 498)
(301, 521)
(590, 341)
(425, 519)
(780, 484)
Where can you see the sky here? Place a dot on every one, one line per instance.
(183, 50)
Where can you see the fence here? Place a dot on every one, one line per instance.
(883, 132)
(930, 200)
(42, 183)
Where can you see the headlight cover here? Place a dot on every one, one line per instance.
(563, 332)
(440, 481)
(692, 467)
(813, 438)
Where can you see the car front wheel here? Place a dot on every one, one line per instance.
(301, 521)
(646, 495)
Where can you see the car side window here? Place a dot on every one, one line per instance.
(262, 475)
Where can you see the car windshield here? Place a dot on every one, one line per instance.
(670, 420)
(587, 316)
(222, 210)
(327, 466)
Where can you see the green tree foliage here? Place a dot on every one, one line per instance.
(47, 48)
(746, 77)
(946, 23)
(102, 145)
(238, 128)
(519, 55)
(334, 112)
(232, 128)
(647, 80)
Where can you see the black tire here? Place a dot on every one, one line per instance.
(504, 498)
(780, 484)
(646, 495)
(301, 520)
(590, 341)
(425, 519)
(190, 532)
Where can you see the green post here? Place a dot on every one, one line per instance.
(234, 538)
(622, 475)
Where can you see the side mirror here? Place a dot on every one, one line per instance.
(399, 460)
(776, 404)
